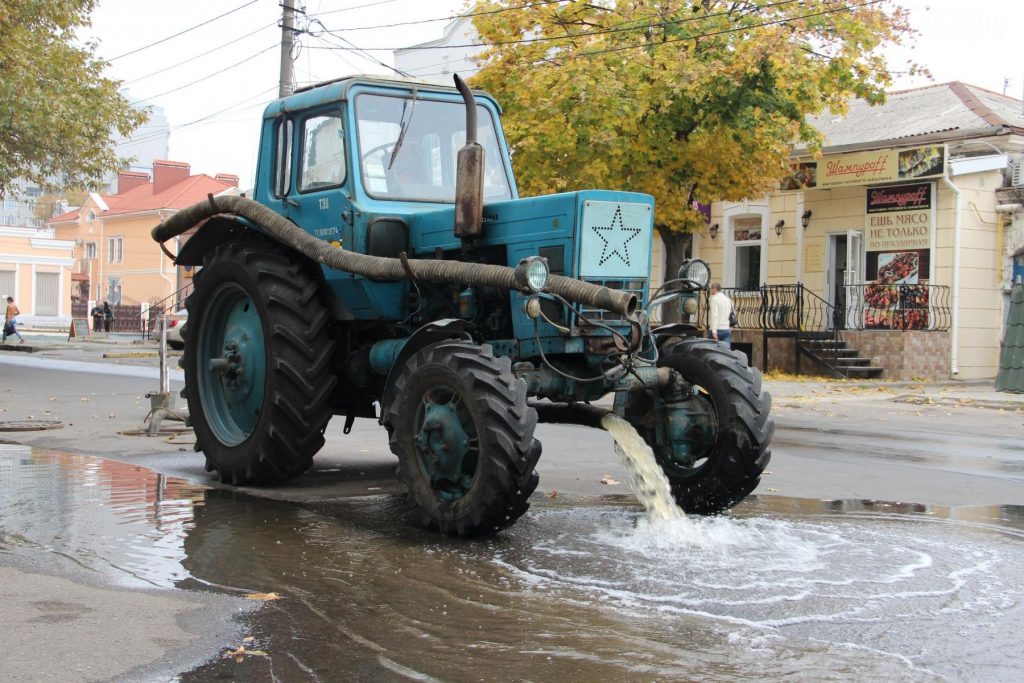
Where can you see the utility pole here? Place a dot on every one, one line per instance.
(287, 35)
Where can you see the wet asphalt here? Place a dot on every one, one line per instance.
(884, 541)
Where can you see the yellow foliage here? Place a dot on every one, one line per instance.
(675, 96)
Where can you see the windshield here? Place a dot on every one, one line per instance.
(423, 168)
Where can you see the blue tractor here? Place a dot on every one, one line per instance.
(387, 268)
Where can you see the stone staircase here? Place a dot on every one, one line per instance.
(832, 353)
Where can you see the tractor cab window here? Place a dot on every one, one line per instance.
(323, 153)
(283, 158)
(408, 148)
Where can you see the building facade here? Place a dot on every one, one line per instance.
(900, 240)
(114, 253)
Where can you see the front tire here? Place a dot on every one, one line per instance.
(257, 362)
(713, 441)
(459, 423)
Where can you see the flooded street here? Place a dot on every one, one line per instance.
(781, 588)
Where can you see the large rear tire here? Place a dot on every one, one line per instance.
(257, 362)
(713, 441)
(459, 423)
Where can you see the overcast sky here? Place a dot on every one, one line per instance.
(214, 101)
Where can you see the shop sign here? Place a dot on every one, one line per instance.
(897, 240)
(898, 217)
(864, 168)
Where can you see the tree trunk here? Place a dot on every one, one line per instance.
(677, 248)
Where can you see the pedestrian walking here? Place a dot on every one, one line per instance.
(11, 322)
(97, 317)
(720, 313)
(108, 316)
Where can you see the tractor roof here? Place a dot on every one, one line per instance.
(337, 90)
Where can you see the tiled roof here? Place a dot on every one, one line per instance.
(184, 194)
(141, 198)
(1011, 360)
(953, 109)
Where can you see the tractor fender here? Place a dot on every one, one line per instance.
(212, 232)
(431, 333)
(223, 228)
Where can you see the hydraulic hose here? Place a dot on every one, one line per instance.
(382, 268)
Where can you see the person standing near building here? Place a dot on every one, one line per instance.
(108, 316)
(720, 310)
(11, 322)
(97, 317)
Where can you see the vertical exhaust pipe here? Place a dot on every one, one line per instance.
(469, 174)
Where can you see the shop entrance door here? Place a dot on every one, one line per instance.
(851, 278)
(835, 277)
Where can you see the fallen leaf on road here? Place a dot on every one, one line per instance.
(553, 494)
(606, 479)
(238, 654)
(773, 490)
(52, 398)
(248, 639)
(262, 596)
(83, 399)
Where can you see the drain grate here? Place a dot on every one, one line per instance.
(30, 425)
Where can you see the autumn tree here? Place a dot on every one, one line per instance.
(673, 98)
(59, 117)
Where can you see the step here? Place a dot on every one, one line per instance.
(862, 371)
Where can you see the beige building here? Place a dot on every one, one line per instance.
(892, 253)
(36, 269)
(114, 256)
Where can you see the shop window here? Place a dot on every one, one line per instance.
(7, 282)
(47, 293)
(746, 240)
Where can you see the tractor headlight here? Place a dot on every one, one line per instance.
(696, 271)
(532, 274)
(689, 305)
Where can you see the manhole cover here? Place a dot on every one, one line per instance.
(30, 425)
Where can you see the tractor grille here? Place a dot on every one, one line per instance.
(632, 286)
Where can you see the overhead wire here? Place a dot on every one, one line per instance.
(448, 17)
(202, 54)
(206, 77)
(181, 33)
(635, 25)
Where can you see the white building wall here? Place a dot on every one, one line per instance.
(437, 60)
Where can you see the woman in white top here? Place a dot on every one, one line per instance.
(720, 306)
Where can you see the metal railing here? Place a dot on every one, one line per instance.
(149, 319)
(866, 307)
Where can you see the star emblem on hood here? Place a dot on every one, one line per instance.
(616, 238)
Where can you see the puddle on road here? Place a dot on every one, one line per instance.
(782, 588)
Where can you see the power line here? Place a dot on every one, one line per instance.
(450, 17)
(349, 9)
(735, 29)
(631, 26)
(358, 50)
(236, 105)
(202, 54)
(206, 77)
(181, 33)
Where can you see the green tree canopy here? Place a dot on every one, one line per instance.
(670, 97)
(59, 117)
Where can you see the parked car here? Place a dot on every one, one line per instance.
(175, 321)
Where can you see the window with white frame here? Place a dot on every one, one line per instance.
(90, 250)
(7, 278)
(115, 250)
(746, 241)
